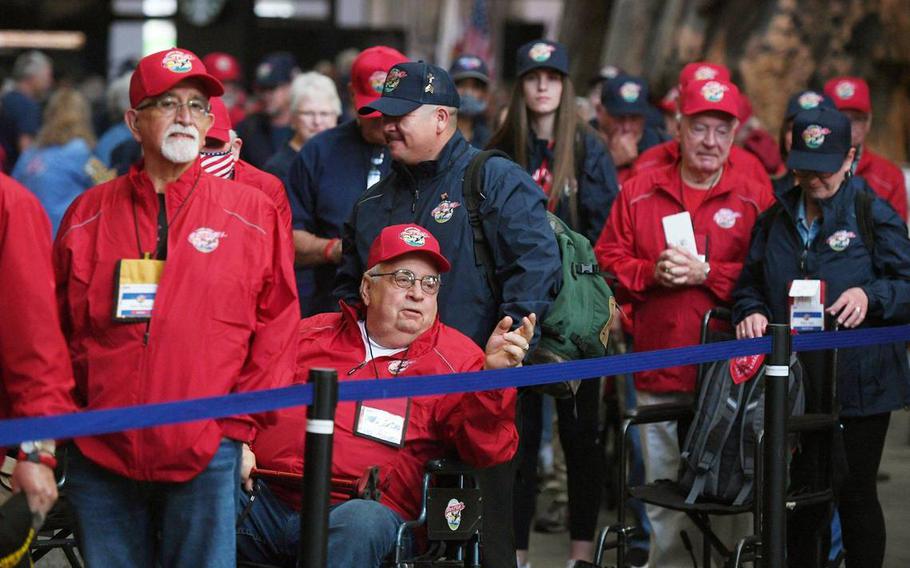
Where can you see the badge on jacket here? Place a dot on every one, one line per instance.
(385, 421)
(840, 240)
(135, 287)
(444, 211)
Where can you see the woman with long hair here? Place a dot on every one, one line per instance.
(543, 133)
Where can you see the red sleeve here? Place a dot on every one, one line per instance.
(35, 369)
(615, 249)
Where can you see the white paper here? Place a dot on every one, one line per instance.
(805, 288)
(678, 232)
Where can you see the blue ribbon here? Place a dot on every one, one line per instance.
(94, 422)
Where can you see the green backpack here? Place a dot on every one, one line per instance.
(577, 325)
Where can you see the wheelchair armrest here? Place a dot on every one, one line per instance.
(811, 422)
(448, 466)
(658, 413)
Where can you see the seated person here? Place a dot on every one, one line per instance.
(395, 333)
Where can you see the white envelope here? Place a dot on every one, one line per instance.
(679, 232)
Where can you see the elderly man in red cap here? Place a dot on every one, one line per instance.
(396, 333)
(851, 97)
(676, 239)
(172, 284)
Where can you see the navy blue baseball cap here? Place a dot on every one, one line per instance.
(276, 69)
(412, 84)
(469, 67)
(806, 100)
(821, 140)
(625, 95)
(542, 53)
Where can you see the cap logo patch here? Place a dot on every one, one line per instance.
(177, 62)
(444, 211)
(205, 240)
(704, 72)
(264, 70)
(808, 100)
(630, 91)
(377, 80)
(395, 77)
(540, 52)
(814, 136)
(223, 64)
(429, 88)
(412, 236)
(726, 218)
(845, 90)
(469, 62)
(840, 240)
(713, 92)
(453, 513)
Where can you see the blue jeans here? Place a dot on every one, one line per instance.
(138, 524)
(361, 533)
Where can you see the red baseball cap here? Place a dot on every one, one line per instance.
(221, 123)
(368, 74)
(669, 102)
(222, 66)
(708, 95)
(398, 240)
(158, 72)
(701, 71)
(849, 93)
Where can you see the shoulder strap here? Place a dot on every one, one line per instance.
(865, 220)
(472, 190)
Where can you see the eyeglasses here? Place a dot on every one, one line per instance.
(169, 106)
(312, 114)
(405, 279)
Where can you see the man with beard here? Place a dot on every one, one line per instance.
(172, 284)
(472, 79)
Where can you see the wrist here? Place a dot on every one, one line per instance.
(327, 252)
(38, 456)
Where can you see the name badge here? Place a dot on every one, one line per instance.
(384, 421)
(135, 288)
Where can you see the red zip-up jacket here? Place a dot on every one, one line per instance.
(633, 238)
(479, 426)
(244, 172)
(224, 319)
(35, 374)
(885, 178)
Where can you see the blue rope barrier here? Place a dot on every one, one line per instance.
(95, 422)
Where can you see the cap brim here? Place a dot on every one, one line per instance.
(389, 106)
(626, 109)
(223, 135)
(814, 161)
(471, 75)
(700, 108)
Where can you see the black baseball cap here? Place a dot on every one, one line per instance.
(625, 95)
(821, 140)
(542, 53)
(806, 100)
(469, 67)
(412, 84)
(276, 69)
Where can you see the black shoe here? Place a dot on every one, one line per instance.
(637, 557)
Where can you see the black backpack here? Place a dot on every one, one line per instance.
(718, 457)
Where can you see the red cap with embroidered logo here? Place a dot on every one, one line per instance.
(399, 240)
(708, 95)
(158, 72)
(701, 71)
(221, 121)
(849, 93)
(368, 74)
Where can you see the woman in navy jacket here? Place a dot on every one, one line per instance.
(814, 233)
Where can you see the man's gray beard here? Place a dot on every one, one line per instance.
(179, 150)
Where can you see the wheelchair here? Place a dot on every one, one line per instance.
(668, 494)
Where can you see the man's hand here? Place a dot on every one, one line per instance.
(850, 308)
(753, 326)
(623, 148)
(247, 464)
(508, 348)
(677, 267)
(38, 483)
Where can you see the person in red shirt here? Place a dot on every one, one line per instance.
(851, 97)
(670, 286)
(171, 284)
(397, 333)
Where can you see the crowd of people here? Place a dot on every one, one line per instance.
(212, 240)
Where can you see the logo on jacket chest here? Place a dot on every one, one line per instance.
(205, 240)
(840, 240)
(398, 366)
(444, 211)
(726, 218)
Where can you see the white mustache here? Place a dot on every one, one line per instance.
(181, 129)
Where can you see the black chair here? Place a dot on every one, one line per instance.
(668, 494)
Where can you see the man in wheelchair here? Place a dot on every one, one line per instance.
(394, 333)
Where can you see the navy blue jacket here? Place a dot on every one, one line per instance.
(325, 180)
(872, 379)
(514, 222)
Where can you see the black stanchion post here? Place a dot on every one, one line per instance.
(317, 469)
(777, 373)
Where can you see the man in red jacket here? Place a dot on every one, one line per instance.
(172, 284)
(672, 276)
(397, 334)
(851, 97)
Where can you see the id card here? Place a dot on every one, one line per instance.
(135, 287)
(385, 421)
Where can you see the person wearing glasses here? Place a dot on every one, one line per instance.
(171, 284)
(395, 332)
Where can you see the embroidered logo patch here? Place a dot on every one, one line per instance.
(177, 62)
(713, 91)
(453, 513)
(704, 72)
(540, 52)
(205, 240)
(814, 136)
(377, 80)
(469, 62)
(444, 211)
(429, 88)
(398, 366)
(726, 218)
(630, 91)
(395, 76)
(845, 90)
(840, 240)
(809, 99)
(412, 236)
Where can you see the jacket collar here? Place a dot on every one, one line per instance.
(350, 331)
(789, 199)
(176, 192)
(669, 180)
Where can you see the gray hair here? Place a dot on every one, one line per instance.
(30, 64)
(118, 96)
(313, 85)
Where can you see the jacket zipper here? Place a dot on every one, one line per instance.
(357, 368)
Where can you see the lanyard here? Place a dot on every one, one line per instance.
(163, 223)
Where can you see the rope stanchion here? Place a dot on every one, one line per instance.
(777, 375)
